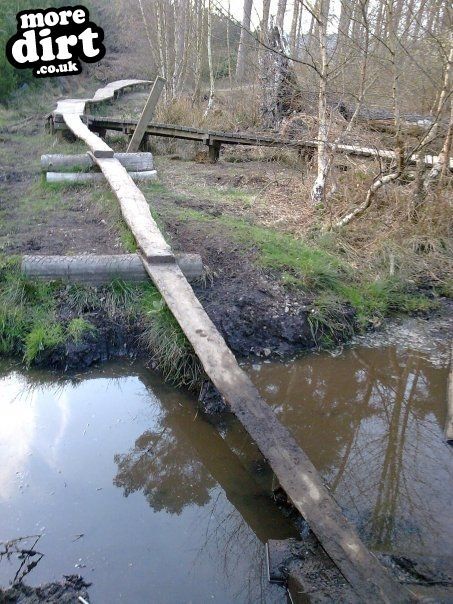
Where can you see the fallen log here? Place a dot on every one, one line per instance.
(84, 177)
(100, 269)
(133, 162)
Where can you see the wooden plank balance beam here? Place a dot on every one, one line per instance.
(215, 139)
(369, 580)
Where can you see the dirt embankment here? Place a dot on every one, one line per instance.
(66, 591)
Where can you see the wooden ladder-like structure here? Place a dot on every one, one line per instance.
(369, 580)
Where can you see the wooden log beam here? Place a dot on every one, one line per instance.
(295, 472)
(99, 269)
(133, 162)
(87, 177)
(147, 115)
(236, 138)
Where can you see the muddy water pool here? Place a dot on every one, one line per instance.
(130, 487)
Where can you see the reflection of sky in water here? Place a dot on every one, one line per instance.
(176, 537)
(25, 429)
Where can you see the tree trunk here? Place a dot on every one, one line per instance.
(210, 63)
(245, 35)
(319, 187)
(294, 22)
(280, 19)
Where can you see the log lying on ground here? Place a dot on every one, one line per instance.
(99, 269)
(133, 162)
(83, 177)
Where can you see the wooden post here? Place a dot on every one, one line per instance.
(214, 151)
(147, 114)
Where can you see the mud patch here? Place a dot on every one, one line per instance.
(66, 591)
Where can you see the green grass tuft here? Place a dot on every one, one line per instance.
(42, 337)
(172, 353)
(78, 327)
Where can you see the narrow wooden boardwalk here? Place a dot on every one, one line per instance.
(214, 139)
(368, 578)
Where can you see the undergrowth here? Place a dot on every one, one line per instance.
(344, 300)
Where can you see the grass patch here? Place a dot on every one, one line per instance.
(37, 317)
(78, 328)
(172, 353)
(42, 337)
(318, 269)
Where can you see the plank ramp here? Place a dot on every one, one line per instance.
(297, 475)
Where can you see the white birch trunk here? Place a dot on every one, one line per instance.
(319, 187)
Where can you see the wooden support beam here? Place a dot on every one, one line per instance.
(99, 269)
(237, 138)
(133, 162)
(147, 115)
(214, 151)
(87, 177)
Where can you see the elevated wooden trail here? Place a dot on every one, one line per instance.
(369, 580)
(214, 139)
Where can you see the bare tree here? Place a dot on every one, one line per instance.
(242, 49)
(210, 62)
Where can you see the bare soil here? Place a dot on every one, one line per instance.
(254, 312)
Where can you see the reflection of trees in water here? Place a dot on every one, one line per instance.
(181, 462)
(170, 475)
(230, 539)
(370, 420)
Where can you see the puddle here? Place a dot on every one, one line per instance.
(371, 420)
(132, 490)
(129, 487)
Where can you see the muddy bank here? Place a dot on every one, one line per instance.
(66, 591)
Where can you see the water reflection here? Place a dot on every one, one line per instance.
(193, 521)
(371, 421)
(183, 458)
